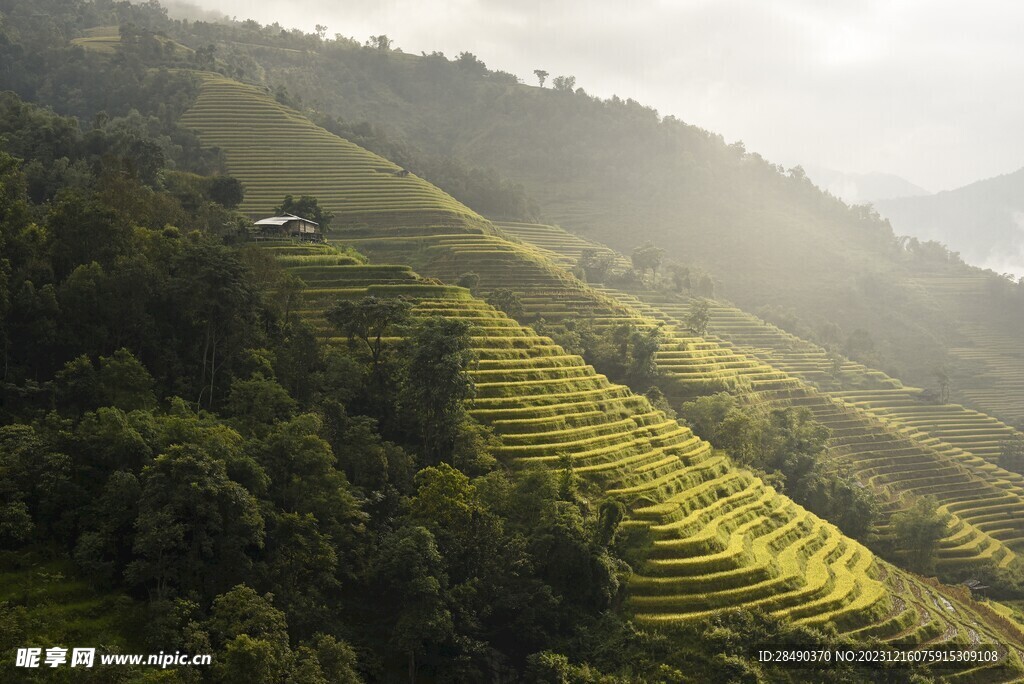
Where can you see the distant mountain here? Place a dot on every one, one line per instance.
(983, 221)
(861, 188)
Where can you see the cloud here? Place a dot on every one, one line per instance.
(1009, 259)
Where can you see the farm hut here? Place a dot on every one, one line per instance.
(289, 226)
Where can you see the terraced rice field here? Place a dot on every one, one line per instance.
(990, 373)
(987, 504)
(551, 291)
(721, 538)
(276, 151)
(987, 368)
(954, 428)
(104, 39)
(968, 435)
(560, 246)
(892, 440)
(986, 501)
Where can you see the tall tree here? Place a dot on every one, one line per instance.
(437, 383)
(196, 526)
(918, 531)
(410, 578)
(370, 321)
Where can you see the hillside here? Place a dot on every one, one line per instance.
(277, 152)
(618, 171)
(982, 221)
(622, 174)
(896, 439)
(501, 263)
(720, 537)
(396, 455)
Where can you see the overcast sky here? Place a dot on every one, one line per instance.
(931, 90)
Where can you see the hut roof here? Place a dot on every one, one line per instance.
(281, 220)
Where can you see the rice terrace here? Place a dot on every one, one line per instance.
(330, 360)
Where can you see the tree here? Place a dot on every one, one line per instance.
(541, 76)
(699, 317)
(570, 558)
(596, 264)
(706, 286)
(258, 403)
(368, 461)
(647, 257)
(680, 276)
(410, 579)
(609, 515)
(36, 480)
(301, 563)
(124, 382)
(369, 320)
(508, 301)
(195, 525)
(470, 62)
(835, 365)
(253, 636)
(381, 42)
(226, 191)
(217, 302)
(304, 477)
(859, 344)
(643, 347)
(75, 385)
(84, 230)
(470, 281)
(337, 660)
(918, 531)
(1011, 456)
(307, 207)
(565, 84)
(437, 383)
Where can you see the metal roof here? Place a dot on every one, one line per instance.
(281, 220)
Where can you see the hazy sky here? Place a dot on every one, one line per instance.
(931, 90)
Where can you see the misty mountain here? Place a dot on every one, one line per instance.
(861, 188)
(983, 221)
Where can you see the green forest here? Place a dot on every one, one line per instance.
(454, 441)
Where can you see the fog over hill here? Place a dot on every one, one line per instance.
(862, 188)
(983, 221)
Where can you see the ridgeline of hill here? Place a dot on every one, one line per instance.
(618, 172)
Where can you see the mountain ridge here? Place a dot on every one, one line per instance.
(984, 220)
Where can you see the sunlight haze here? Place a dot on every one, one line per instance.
(929, 91)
